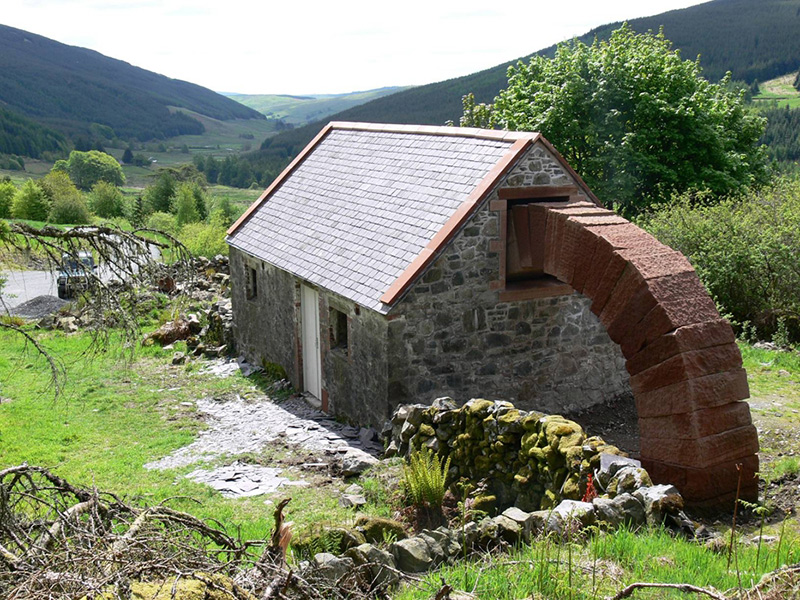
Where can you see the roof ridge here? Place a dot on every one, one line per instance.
(446, 130)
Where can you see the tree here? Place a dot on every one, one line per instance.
(185, 206)
(634, 119)
(30, 202)
(158, 197)
(67, 204)
(7, 193)
(127, 156)
(106, 200)
(87, 168)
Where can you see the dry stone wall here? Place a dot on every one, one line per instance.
(526, 459)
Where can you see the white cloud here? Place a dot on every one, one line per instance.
(317, 47)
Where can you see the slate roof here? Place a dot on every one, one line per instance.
(363, 202)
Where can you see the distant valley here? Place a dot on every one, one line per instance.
(301, 110)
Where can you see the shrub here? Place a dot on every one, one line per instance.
(7, 193)
(204, 239)
(162, 222)
(70, 209)
(105, 200)
(30, 202)
(745, 251)
(67, 203)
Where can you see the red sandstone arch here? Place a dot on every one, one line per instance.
(685, 367)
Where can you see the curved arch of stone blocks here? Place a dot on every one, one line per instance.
(685, 367)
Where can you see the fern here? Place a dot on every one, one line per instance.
(424, 478)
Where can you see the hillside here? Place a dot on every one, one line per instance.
(301, 110)
(68, 88)
(756, 40)
(23, 137)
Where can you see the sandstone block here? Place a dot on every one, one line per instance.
(688, 365)
(556, 225)
(701, 486)
(628, 306)
(690, 337)
(694, 394)
(695, 307)
(585, 259)
(603, 252)
(702, 452)
(698, 423)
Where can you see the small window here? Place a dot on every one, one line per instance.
(251, 285)
(338, 329)
(524, 254)
(527, 221)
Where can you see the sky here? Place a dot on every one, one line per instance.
(310, 47)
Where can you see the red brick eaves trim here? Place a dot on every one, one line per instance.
(454, 223)
(280, 178)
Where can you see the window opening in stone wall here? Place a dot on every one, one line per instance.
(525, 235)
(251, 283)
(338, 329)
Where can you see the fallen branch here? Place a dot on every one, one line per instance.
(628, 591)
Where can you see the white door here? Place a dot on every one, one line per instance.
(312, 369)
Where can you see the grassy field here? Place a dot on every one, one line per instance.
(116, 415)
(120, 412)
(779, 90)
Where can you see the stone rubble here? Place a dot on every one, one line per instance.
(239, 480)
(238, 426)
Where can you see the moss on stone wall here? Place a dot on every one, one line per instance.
(525, 459)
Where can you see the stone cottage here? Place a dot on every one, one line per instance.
(395, 263)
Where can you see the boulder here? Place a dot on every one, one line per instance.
(376, 562)
(356, 463)
(627, 480)
(574, 509)
(624, 508)
(412, 555)
(659, 501)
(521, 518)
(447, 540)
(380, 529)
(352, 501)
(331, 568)
(435, 548)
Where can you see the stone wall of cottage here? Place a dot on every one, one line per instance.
(355, 378)
(451, 336)
(267, 328)
(265, 325)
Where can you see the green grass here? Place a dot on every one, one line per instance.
(772, 372)
(779, 91)
(605, 563)
(117, 415)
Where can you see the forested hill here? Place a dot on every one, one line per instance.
(68, 88)
(754, 39)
